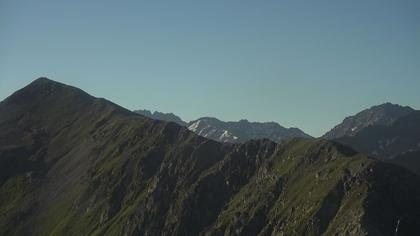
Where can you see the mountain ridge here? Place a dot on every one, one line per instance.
(242, 130)
(230, 131)
(80, 165)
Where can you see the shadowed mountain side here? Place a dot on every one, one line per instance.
(409, 160)
(73, 164)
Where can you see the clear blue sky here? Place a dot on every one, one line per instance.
(300, 63)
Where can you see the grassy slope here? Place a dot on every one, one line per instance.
(89, 167)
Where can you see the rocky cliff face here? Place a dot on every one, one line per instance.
(72, 164)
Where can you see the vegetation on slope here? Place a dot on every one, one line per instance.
(73, 164)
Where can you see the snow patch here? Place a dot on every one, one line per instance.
(225, 134)
(194, 126)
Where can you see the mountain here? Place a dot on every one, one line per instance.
(387, 132)
(385, 142)
(230, 132)
(242, 131)
(398, 143)
(385, 114)
(161, 116)
(73, 164)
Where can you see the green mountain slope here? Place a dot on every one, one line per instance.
(72, 164)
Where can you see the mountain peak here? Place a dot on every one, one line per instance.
(43, 92)
(383, 114)
(44, 80)
(43, 87)
(389, 105)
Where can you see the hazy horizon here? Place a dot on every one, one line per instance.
(302, 64)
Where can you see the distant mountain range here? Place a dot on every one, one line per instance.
(73, 164)
(388, 132)
(243, 130)
(161, 116)
(231, 131)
